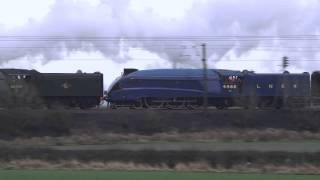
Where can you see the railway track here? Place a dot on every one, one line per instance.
(309, 146)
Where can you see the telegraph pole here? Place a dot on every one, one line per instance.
(205, 76)
(285, 65)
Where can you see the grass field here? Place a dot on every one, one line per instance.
(99, 175)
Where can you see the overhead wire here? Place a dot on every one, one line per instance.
(170, 39)
(158, 38)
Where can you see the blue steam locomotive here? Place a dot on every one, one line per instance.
(185, 88)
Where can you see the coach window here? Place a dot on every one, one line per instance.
(282, 86)
(295, 86)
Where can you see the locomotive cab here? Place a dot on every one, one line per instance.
(232, 83)
(128, 71)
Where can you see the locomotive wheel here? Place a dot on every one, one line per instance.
(176, 104)
(55, 105)
(278, 103)
(251, 103)
(137, 105)
(221, 107)
(113, 106)
(154, 103)
(194, 104)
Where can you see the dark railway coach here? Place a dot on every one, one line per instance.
(30, 88)
(315, 79)
(315, 90)
(277, 89)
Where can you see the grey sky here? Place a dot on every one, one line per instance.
(158, 18)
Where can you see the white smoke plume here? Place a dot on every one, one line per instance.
(237, 26)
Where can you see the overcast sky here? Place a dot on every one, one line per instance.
(244, 20)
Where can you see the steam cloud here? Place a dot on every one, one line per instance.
(110, 28)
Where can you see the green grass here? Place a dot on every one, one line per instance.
(100, 175)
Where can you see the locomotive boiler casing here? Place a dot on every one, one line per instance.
(172, 84)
